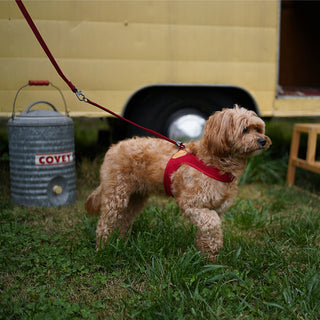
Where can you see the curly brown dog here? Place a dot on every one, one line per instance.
(134, 169)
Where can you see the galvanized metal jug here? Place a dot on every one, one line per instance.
(41, 154)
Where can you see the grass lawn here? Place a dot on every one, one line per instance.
(269, 267)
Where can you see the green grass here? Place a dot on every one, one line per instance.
(269, 267)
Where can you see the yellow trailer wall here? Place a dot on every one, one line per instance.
(110, 49)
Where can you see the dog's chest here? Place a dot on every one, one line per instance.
(200, 190)
(219, 196)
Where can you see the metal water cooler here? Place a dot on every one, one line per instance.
(42, 155)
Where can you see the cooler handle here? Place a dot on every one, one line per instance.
(39, 83)
(41, 101)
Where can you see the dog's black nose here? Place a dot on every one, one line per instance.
(262, 142)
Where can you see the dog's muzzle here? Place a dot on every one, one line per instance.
(262, 142)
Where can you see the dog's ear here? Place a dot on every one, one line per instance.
(216, 133)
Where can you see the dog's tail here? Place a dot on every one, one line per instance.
(93, 203)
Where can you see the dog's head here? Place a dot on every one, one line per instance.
(236, 131)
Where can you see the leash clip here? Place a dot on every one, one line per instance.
(81, 96)
(180, 145)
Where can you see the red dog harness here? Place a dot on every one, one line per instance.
(183, 157)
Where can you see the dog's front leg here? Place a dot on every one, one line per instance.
(209, 237)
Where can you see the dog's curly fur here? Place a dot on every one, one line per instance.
(133, 170)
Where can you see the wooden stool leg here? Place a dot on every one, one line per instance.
(312, 145)
(293, 155)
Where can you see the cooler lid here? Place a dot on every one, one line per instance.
(40, 117)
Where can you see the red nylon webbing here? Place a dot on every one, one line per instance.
(80, 96)
(43, 44)
(183, 157)
(177, 143)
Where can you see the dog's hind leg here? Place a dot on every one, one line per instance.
(93, 202)
(134, 208)
(210, 236)
(117, 214)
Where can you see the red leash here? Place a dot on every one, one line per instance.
(79, 94)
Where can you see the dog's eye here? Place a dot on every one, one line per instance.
(258, 129)
(245, 130)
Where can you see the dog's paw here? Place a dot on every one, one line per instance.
(209, 248)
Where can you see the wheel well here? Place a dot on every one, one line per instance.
(217, 96)
(152, 106)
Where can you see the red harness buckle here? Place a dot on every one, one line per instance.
(183, 157)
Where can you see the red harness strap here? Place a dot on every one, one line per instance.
(183, 157)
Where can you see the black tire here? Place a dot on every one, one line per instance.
(185, 124)
(155, 107)
(160, 114)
